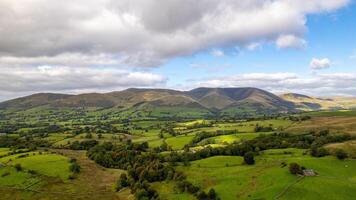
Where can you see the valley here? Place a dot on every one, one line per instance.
(96, 153)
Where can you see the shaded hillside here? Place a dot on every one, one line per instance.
(225, 98)
(34, 100)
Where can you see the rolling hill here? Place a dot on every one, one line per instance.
(165, 102)
(308, 103)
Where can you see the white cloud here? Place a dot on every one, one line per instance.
(26, 80)
(317, 84)
(149, 32)
(253, 46)
(217, 53)
(290, 41)
(317, 64)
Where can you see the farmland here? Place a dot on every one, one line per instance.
(203, 154)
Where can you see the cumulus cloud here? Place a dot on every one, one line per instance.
(15, 81)
(317, 84)
(149, 32)
(317, 64)
(290, 41)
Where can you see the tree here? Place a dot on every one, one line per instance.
(249, 158)
(88, 136)
(74, 167)
(18, 167)
(212, 194)
(294, 168)
(122, 182)
(341, 154)
(202, 196)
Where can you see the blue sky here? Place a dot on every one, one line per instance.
(329, 35)
(302, 46)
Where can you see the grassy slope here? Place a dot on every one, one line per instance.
(265, 180)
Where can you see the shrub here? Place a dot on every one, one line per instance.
(341, 154)
(18, 167)
(71, 177)
(294, 168)
(33, 172)
(202, 196)
(74, 167)
(318, 152)
(5, 174)
(249, 158)
(122, 182)
(212, 194)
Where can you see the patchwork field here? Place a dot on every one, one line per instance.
(217, 164)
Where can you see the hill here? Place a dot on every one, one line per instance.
(308, 103)
(199, 102)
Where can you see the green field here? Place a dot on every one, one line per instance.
(234, 180)
(229, 176)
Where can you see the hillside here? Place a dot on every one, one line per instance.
(308, 103)
(199, 102)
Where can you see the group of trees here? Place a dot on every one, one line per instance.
(27, 142)
(203, 135)
(311, 140)
(143, 167)
(295, 118)
(83, 145)
(259, 128)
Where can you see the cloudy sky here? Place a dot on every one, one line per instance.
(77, 46)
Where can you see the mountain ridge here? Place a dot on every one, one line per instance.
(205, 99)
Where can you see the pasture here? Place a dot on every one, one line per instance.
(268, 179)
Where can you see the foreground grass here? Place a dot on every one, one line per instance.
(268, 178)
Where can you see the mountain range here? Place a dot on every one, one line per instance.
(226, 101)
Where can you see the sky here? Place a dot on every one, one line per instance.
(82, 46)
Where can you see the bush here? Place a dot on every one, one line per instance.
(33, 172)
(318, 152)
(341, 154)
(71, 177)
(249, 158)
(212, 194)
(202, 196)
(74, 167)
(294, 168)
(122, 182)
(5, 174)
(18, 167)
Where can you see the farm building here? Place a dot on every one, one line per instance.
(309, 172)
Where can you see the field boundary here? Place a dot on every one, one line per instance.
(285, 190)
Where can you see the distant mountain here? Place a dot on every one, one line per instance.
(199, 101)
(253, 99)
(308, 103)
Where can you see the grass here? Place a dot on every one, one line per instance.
(178, 142)
(228, 139)
(51, 165)
(267, 178)
(339, 113)
(167, 190)
(4, 151)
(349, 147)
(9, 177)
